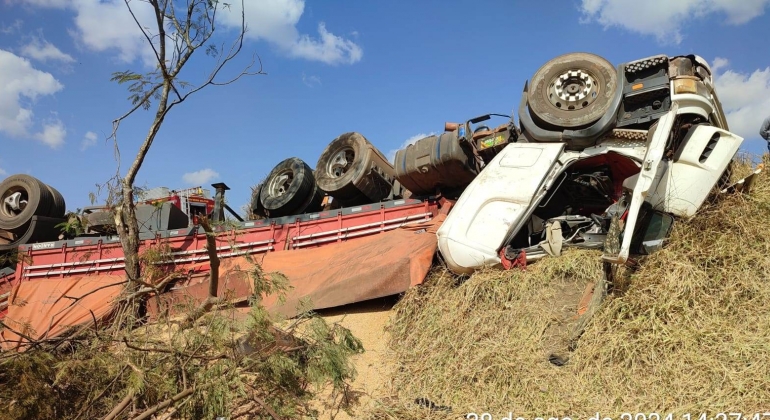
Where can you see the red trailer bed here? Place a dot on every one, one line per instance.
(104, 255)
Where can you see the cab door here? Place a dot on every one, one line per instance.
(497, 204)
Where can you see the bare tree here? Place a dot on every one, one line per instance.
(180, 29)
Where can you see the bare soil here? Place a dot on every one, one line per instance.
(367, 321)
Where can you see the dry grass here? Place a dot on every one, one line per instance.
(689, 334)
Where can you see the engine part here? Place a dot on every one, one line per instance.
(435, 162)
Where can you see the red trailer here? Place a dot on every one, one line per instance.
(104, 255)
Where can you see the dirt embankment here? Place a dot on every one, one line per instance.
(686, 333)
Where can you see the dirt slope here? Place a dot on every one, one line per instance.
(685, 333)
(367, 321)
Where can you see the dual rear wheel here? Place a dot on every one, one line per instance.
(350, 169)
(22, 197)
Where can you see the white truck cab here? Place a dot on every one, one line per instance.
(597, 142)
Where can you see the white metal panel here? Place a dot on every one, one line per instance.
(497, 200)
(644, 182)
(700, 161)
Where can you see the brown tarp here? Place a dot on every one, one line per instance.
(333, 275)
(41, 309)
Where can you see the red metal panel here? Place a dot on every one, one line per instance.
(95, 256)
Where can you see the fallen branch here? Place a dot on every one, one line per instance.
(153, 289)
(201, 310)
(160, 406)
(262, 402)
(267, 408)
(120, 407)
(245, 410)
(101, 394)
(168, 351)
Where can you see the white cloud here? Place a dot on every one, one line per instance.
(275, 21)
(103, 26)
(49, 3)
(53, 134)
(665, 18)
(107, 26)
(199, 178)
(745, 98)
(20, 85)
(89, 140)
(719, 63)
(12, 28)
(2, 172)
(407, 142)
(330, 49)
(311, 81)
(41, 50)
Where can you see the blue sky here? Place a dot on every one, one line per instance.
(391, 70)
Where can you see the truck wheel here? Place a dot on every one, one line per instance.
(21, 197)
(572, 90)
(287, 187)
(314, 201)
(353, 171)
(59, 206)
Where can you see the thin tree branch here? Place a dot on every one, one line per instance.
(148, 95)
(120, 407)
(101, 394)
(171, 401)
(262, 403)
(128, 180)
(146, 35)
(159, 17)
(167, 351)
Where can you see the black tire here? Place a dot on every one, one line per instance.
(353, 171)
(34, 200)
(59, 205)
(314, 201)
(336, 167)
(287, 187)
(572, 90)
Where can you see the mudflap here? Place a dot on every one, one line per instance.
(520, 260)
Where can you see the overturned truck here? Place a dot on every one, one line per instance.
(632, 145)
(602, 156)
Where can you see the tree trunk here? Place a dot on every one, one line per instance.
(128, 231)
(129, 237)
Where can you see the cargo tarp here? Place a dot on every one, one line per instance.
(332, 275)
(328, 276)
(40, 309)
